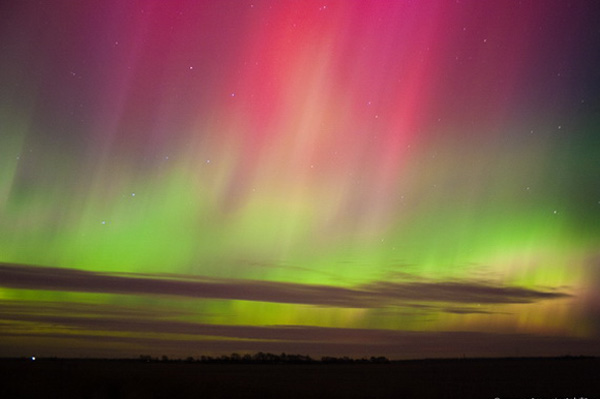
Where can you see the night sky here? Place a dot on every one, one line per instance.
(399, 178)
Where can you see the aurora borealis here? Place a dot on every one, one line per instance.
(398, 178)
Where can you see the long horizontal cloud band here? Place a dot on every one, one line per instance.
(375, 294)
(295, 334)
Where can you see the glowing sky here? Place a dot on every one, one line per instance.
(399, 178)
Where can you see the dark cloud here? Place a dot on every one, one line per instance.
(58, 279)
(468, 311)
(376, 294)
(8, 307)
(459, 291)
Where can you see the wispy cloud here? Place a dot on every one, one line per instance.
(374, 294)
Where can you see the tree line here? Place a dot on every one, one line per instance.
(267, 358)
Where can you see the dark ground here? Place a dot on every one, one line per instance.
(459, 378)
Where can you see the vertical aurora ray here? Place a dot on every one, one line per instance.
(334, 145)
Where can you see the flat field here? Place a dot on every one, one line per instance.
(452, 378)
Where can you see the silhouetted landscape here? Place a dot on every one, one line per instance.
(267, 375)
